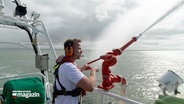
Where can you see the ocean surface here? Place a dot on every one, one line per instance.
(140, 68)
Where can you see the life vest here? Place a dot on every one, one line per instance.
(75, 92)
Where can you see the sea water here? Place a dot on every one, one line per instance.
(140, 68)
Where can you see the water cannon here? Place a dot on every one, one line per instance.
(107, 77)
(109, 59)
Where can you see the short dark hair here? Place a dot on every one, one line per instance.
(70, 42)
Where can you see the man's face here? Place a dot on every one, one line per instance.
(77, 50)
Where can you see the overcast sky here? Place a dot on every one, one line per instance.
(107, 24)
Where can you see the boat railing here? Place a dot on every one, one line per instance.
(115, 96)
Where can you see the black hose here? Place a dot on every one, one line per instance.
(30, 37)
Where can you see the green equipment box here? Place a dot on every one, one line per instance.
(24, 91)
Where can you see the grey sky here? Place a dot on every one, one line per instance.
(107, 24)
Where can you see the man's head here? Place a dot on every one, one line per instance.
(73, 48)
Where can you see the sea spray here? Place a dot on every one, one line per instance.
(129, 24)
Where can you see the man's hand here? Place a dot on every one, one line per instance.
(87, 67)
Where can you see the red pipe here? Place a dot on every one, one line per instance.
(129, 43)
(93, 61)
(117, 51)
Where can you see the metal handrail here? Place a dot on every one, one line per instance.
(115, 96)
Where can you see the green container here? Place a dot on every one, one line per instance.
(169, 100)
(24, 91)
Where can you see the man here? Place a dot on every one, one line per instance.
(70, 76)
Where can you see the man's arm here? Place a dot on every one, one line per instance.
(88, 83)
